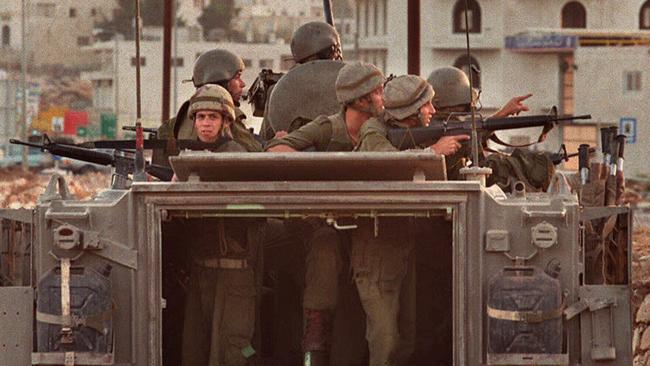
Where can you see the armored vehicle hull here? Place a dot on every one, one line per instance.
(502, 279)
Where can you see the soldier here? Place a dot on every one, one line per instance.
(359, 89)
(407, 100)
(220, 304)
(217, 67)
(311, 41)
(453, 96)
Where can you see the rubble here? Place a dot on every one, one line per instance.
(19, 189)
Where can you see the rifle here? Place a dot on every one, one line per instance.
(123, 165)
(411, 138)
(260, 91)
(563, 155)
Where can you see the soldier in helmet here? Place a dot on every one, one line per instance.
(453, 97)
(407, 102)
(216, 67)
(359, 89)
(220, 304)
(311, 41)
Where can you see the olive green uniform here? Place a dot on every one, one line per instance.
(323, 263)
(185, 130)
(325, 133)
(220, 305)
(384, 270)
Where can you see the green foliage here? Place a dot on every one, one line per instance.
(151, 11)
(218, 15)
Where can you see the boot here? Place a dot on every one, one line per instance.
(316, 337)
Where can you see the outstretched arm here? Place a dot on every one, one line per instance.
(513, 107)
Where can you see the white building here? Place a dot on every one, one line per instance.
(114, 84)
(586, 57)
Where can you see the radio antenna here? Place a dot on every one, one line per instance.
(474, 142)
(138, 171)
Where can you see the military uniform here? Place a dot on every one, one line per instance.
(323, 262)
(325, 133)
(311, 41)
(384, 271)
(220, 304)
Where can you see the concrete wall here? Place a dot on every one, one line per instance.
(600, 92)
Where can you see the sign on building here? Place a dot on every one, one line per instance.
(627, 127)
(541, 42)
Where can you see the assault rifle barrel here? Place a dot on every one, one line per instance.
(404, 138)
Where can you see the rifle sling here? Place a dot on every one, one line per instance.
(542, 137)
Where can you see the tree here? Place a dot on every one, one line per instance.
(151, 11)
(218, 15)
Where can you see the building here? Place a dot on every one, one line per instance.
(274, 20)
(586, 57)
(114, 84)
(56, 31)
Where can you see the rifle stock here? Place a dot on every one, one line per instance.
(410, 138)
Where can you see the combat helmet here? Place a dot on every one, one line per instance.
(213, 98)
(452, 87)
(216, 66)
(357, 79)
(404, 95)
(312, 38)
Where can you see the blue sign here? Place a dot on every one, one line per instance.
(627, 127)
(541, 42)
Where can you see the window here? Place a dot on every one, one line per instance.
(143, 61)
(72, 13)
(632, 81)
(6, 36)
(248, 62)
(644, 16)
(83, 41)
(466, 65)
(473, 16)
(574, 15)
(177, 62)
(45, 9)
(266, 63)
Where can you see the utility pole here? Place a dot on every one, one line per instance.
(23, 65)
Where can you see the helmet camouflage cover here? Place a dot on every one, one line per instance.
(404, 95)
(311, 38)
(452, 87)
(212, 98)
(216, 66)
(356, 80)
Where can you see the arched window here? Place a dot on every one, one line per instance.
(6, 35)
(473, 16)
(574, 15)
(644, 16)
(466, 65)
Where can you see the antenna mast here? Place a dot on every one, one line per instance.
(474, 140)
(138, 171)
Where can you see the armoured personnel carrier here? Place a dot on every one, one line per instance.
(503, 279)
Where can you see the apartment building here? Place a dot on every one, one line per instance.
(586, 57)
